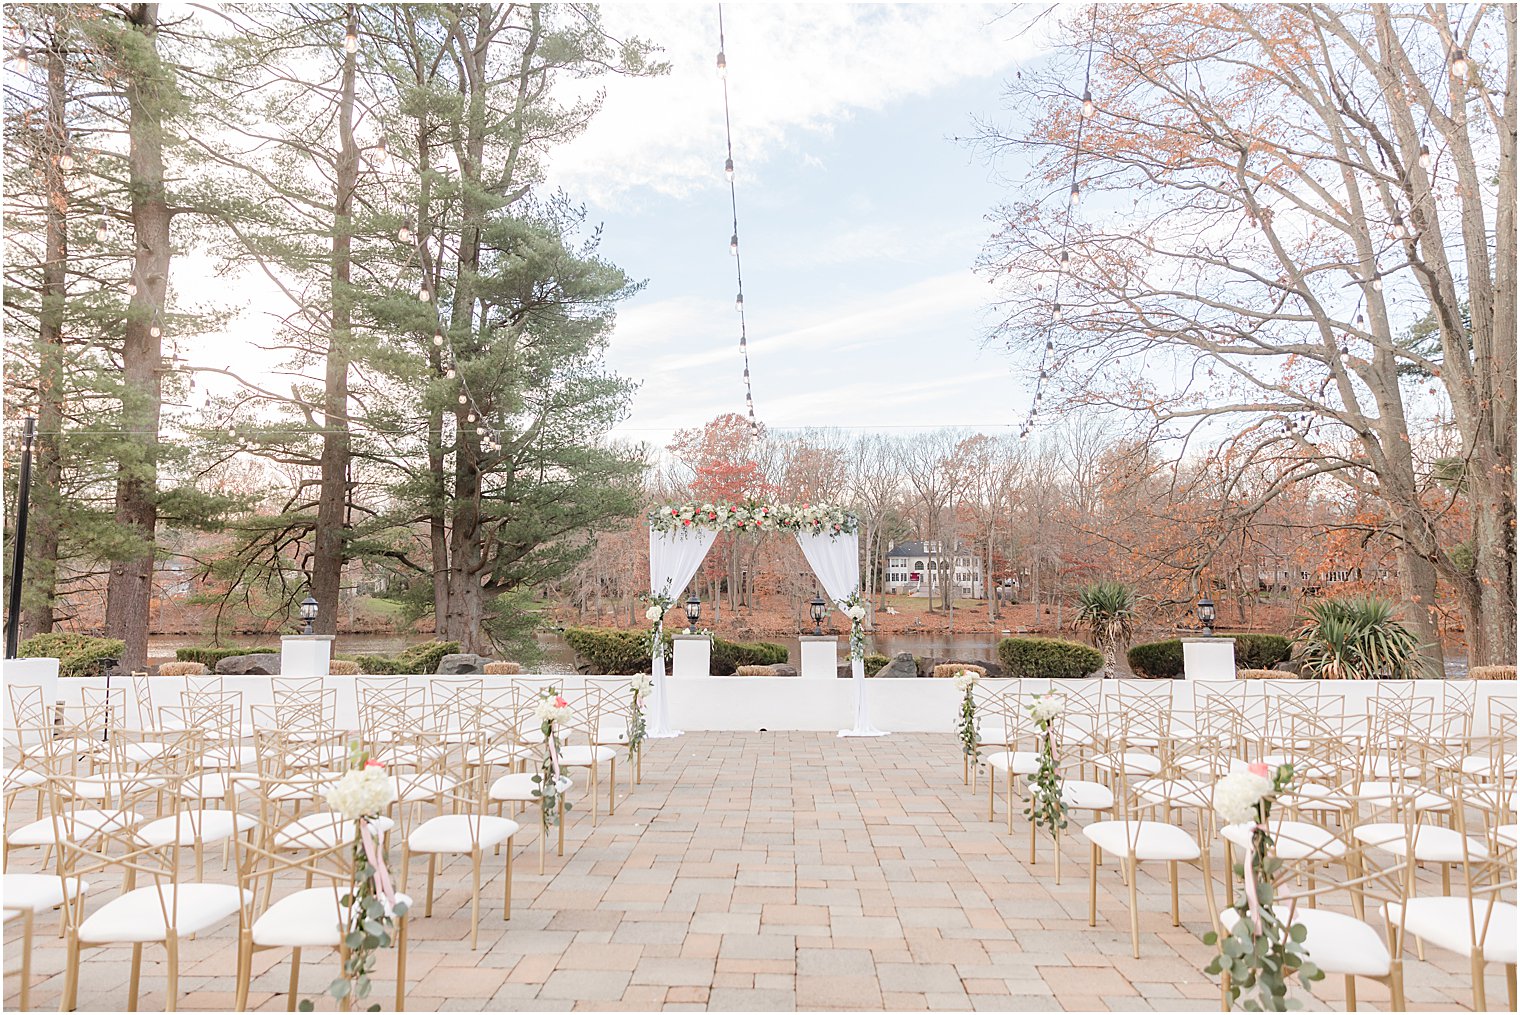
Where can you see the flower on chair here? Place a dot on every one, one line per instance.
(362, 792)
(1237, 795)
(555, 709)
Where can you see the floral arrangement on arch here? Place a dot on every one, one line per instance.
(855, 608)
(364, 792)
(754, 516)
(659, 602)
(1046, 807)
(1262, 950)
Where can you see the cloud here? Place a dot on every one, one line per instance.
(793, 69)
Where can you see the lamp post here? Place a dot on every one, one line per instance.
(817, 610)
(1206, 615)
(693, 613)
(308, 612)
(18, 557)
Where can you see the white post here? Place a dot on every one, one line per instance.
(1208, 659)
(693, 655)
(820, 657)
(305, 655)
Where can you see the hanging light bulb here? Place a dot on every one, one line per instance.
(437, 339)
(66, 161)
(404, 234)
(1065, 261)
(463, 399)
(155, 331)
(424, 294)
(480, 431)
(728, 169)
(1377, 285)
(350, 42)
(23, 65)
(739, 303)
(733, 244)
(449, 373)
(1398, 229)
(231, 432)
(1361, 321)
(1050, 346)
(1426, 160)
(101, 232)
(1088, 106)
(382, 154)
(1055, 311)
(722, 65)
(131, 289)
(1459, 63)
(1076, 194)
(469, 417)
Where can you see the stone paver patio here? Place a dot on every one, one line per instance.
(770, 871)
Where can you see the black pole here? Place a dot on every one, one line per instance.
(18, 556)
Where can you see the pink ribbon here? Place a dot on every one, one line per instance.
(376, 860)
(1253, 902)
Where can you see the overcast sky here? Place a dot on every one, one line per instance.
(859, 215)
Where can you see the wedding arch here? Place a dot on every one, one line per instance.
(680, 536)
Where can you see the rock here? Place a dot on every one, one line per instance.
(457, 663)
(783, 670)
(260, 664)
(1289, 666)
(902, 665)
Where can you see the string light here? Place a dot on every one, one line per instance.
(1088, 106)
(101, 233)
(1426, 161)
(404, 234)
(382, 154)
(1076, 194)
(66, 161)
(424, 294)
(463, 399)
(131, 289)
(350, 42)
(155, 331)
(437, 340)
(449, 373)
(733, 204)
(1064, 263)
(1459, 63)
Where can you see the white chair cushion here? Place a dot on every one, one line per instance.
(1177, 792)
(1017, 762)
(39, 891)
(581, 756)
(1078, 794)
(1135, 763)
(186, 827)
(1295, 840)
(311, 918)
(76, 826)
(143, 751)
(21, 778)
(1338, 943)
(499, 754)
(1448, 921)
(1153, 840)
(421, 786)
(517, 787)
(1432, 843)
(1378, 792)
(205, 786)
(1311, 796)
(1507, 833)
(460, 833)
(323, 830)
(139, 914)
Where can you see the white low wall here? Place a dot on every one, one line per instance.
(781, 703)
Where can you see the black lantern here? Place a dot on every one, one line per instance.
(308, 612)
(1206, 615)
(817, 610)
(693, 613)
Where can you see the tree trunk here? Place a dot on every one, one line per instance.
(331, 536)
(129, 590)
(46, 500)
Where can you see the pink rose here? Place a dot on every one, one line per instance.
(561, 703)
(1260, 768)
(372, 763)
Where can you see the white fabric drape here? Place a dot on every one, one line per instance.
(835, 559)
(673, 561)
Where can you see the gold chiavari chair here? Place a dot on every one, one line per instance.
(461, 825)
(319, 864)
(989, 698)
(583, 746)
(1019, 757)
(27, 740)
(23, 916)
(157, 904)
(1076, 794)
(1143, 720)
(1134, 836)
(617, 720)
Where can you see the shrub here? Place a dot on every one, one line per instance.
(1250, 674)
(728, 656)
(182, 669)
(1106, 610)
(874, 662)
(78, 655)
(343, 668)
(1492, 673)
(1048, 658)
(1261, 651)
(1357, 639)
(612, 652)
(420, 658)
(1160, 660)
(951, 669)
(209, 655)
(499, 667)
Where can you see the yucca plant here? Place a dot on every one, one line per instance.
(1106, 610)
(1357, 639)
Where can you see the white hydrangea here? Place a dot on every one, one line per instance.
(361, 793)
(1047, 707)
(555, 709)
(965, 680)
(857, 612)
(654, 614)
(1237, 794)
(641, 683)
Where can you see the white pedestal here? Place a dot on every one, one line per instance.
(1208, 659)
(693, 655)
(820, 657)
(305, 655)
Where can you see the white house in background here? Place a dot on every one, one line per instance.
(922, 569)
